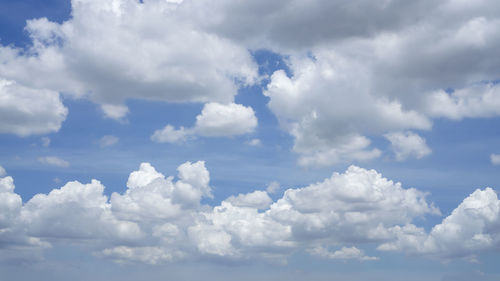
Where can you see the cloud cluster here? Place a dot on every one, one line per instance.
(159, 219)
(356, 75)
(353, 76)
(26, 111)
(110, 51)
(471, 229)
(215, 120)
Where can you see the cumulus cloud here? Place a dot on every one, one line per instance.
(495, 159)
(215, 120)
(407, 144)
(108, 140)
(354, 76)
(159, 219)
(54, 161)
(2, 171)
(225, 120)
(28, 111)
(102, 54)
(471, 229)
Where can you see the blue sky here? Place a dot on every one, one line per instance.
(336, 140)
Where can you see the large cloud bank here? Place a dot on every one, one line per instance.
(159, 219)
(358, 69)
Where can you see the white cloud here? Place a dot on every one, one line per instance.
(102, 54)
(108, 140)
(480, 100)
(225, 120)
(27, 111)
(407, 144)
(328, 114)
(471, 229)
(171, 135)
(254, 142)
(257, 200)
(159, 219)
(495, 159)
(2, 172)
(215, 120)
(54, 161)
(345, 253)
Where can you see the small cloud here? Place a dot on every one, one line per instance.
(254, 142)
(495, 159)
(2, 172)
(57, 180)
(408, 144)
(273, 187)
(346, 253)
(114, 111)
(54, 161)
(108, 141)
(171, 135)
(45, 141)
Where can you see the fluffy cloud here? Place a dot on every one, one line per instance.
(27, 111)
(327, 112)
(159, 219)
(408, 144)
(110, 51)
(472, 228)
(215, 120)
(353, 77)
(54, 161)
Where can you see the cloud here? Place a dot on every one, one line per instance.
(54, 161)
(225, 120)
(471, 229)
(100, 54)
(2, 172)
(28, 111)
(495, 159)
(407, 144)
(171, 135)
(215, 120)
(353, 77)
(254, 142)
(108, 140)
(273, 187)
(159, 219)
(344, 254)
(257, 199)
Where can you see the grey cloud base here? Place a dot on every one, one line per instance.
(159, 219)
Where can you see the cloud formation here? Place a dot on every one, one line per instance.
(407, 144)
(215, 120)
(27, 111)
(159, 219)
(102, 54)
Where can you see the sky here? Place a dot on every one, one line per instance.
(258, 140)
